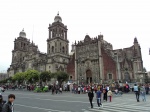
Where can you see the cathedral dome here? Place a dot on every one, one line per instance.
(22, 34)
(57, 18)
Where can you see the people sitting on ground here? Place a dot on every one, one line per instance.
(118, 92)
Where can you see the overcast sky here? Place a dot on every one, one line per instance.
(120, 21)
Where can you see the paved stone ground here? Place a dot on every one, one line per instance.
(68, 102)
(126, 103)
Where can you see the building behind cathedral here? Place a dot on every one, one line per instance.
(91, 60)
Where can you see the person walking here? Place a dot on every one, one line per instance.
(137, 92)
(105, 94)
(98, 97)
(143, 93)
(8, 106)
(53, 89)
(109, 94)
(79, 89)
(91, 95)
(60, 90)
(147, 89)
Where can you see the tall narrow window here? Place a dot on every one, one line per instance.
(110, 76)
(60, 46)
(63, 49)
(52, 49)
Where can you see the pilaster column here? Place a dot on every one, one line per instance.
(65, 35)
(76, 65)
(100, 60)
(49, 34)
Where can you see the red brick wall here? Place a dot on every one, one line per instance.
(109, 65)
(71, 67)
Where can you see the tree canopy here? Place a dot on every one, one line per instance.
(45, 76)
(32, 76)
(20, 76)
(61, 76)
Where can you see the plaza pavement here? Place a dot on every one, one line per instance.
(68, 102)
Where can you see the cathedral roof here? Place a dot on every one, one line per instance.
(22, 34)
(87, 38)
(57, 18)
(135, 40)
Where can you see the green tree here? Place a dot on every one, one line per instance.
(61, 76)
(45, 76)
(20, 77)
(32, 76)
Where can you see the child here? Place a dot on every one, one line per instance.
(109, 94)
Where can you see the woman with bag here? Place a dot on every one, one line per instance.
(109, 94)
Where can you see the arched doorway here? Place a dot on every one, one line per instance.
(88, 76)
(127, 77)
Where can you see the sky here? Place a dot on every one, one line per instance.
(120, 21)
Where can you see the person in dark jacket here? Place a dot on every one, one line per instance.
(147, 89)
(91, 95)
(8, 106)
(105, 94)
(1, 102)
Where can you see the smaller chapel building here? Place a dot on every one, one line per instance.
(94, 60)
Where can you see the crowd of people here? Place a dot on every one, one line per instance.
(101, 92)
(105, 93)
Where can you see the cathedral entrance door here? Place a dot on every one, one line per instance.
(127, 77)
(88, 76)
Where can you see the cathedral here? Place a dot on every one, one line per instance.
(91, 60)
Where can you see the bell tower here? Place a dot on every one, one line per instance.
(21, 46)
(57, 46)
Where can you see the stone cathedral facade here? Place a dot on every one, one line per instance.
(92, 60)
(27, 56)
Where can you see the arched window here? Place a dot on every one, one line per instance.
(109, 76)
(63, 49)
(52, 49)
(70, 77)
(53, 33)
(21, 44)
(62, 33)
(55, 46)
